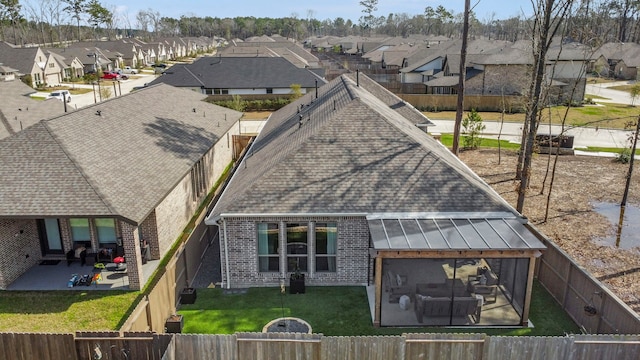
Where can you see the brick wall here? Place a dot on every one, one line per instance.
(175, 211)
(500, 80)
(352, 253)
(149, 232)
(20, 249)
(131, 244)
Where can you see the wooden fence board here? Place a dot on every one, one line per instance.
(219, 347)
(444, 346)
(362, 347)
(283, 346)
(28, 346)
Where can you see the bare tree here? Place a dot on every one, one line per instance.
(548, 15)
(461, 78)
(143, 21)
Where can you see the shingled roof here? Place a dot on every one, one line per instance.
(239, 73)
(18, 110)
(117, 158)
(355, 149)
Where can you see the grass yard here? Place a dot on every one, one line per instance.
(447, 140)
(336, 311)
(614, 116)
(626, 88)
(64, 311)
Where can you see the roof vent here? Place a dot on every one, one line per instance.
(99, 112)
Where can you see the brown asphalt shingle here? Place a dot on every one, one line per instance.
(355, 149)
(122, 162)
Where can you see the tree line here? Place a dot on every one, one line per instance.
(54, 21)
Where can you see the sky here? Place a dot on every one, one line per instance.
(319, 9)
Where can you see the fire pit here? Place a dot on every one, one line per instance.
(287, 324)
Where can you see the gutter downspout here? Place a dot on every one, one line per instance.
(226, 253)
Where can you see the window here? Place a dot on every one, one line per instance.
(52, 65)
(106, 230)
(269, 90)
(80, 229)
(297, 248)
(326, 244)
(268, 243)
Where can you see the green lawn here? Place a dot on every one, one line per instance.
(335, 311)
(605, 115)
(447, 140)
(64, 311)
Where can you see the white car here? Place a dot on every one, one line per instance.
(126, 70)
(60, 95)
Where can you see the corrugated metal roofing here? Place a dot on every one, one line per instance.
(451, 233)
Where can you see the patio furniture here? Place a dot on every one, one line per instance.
(426, 306)
(484, 283)
(446, 289)
(79, 253)
(105, 254)
(396, 286)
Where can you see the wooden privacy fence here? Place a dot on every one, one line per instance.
(435, 102)
(287, 346)
(98, 345)
(163, 299)
(587, 301)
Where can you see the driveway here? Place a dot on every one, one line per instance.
(118, 88)
(610, 95)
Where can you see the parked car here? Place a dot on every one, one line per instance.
(126, 70)
(60, 95)
(112, 75)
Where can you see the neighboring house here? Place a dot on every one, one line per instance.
(619, 60)
(53, 71)
(343, 187)
(8, 73)
(501, 73)
(71, 66)
(18, 110)
(124, 50)
(86, 58)
(503, 68)
(111, 175)
(273, 46)
(28, 61)
(240, 76)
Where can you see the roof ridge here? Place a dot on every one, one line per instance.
(80, 171)
(192, 74)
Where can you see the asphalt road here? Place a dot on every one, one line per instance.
(610, 95)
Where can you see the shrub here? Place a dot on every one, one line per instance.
(473, 127)
(624, 156)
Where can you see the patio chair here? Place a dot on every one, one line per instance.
(396, 285)
(79, 253)
(485, 283)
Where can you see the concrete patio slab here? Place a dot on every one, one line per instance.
(56, 277)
